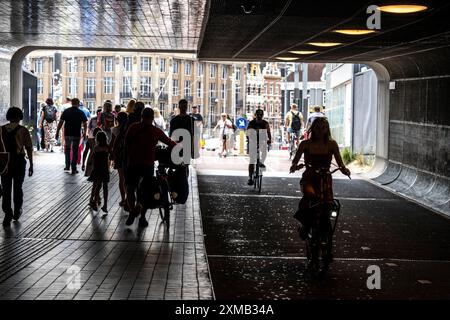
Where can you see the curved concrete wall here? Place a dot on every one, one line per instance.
(418, 163)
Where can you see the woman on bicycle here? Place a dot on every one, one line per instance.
(318, 151)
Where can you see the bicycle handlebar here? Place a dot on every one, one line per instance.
(302, 165)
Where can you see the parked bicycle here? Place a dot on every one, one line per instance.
(321, 222)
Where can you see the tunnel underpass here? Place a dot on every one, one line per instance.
(409, 54)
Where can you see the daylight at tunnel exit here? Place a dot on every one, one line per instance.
(209, 151)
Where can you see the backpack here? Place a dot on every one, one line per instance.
(296, 123)
(49, 113)
(179, 184)
(107, 120)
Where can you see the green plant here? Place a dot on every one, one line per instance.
(347, 155)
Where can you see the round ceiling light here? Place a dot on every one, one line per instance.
(354, 32)
(303, 51)
(324, 44)
(403, 8)
(286, 58)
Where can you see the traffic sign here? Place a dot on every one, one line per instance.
(242, 123)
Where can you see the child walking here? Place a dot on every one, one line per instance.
(100, 172)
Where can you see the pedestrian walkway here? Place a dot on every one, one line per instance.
(58, 236)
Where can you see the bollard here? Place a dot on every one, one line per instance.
(241, 141)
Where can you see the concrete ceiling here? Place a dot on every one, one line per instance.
(273, 28)
(220, 29)
(163, 25)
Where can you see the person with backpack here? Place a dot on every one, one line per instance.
(293, 123)
(48, 116)
(107, 119)
(313, 116)
(17, 141)
(118, 153)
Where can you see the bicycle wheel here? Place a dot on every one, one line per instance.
(291, 146)
(255, 176)
(260, 182)
(167, 216)
(312, 254)
(161, 214)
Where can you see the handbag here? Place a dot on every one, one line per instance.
(4, 160)
(42, 138)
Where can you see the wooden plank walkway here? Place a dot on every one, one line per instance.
(58, 236)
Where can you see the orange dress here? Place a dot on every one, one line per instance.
(311, 177)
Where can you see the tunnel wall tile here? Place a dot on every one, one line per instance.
(419, 128)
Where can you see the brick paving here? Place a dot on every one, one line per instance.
(59, 240)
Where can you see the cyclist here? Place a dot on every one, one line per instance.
(293, 123)
(318, 151)
(257, 124)
(313, 116)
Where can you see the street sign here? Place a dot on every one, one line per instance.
(242, 123)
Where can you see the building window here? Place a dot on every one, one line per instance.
(162, 83)
(38, 66)
(108, 85)
(90, 65)
(126, 84)
(175, 87)
(109, 64)
(146, 63)
(212, 71)
(40, 86)
(224, 72)
(162, 65)
(72, 65)
(162, 108)
(271, 89)
(146, 86)
(222, 90)
(127, 64)
(187, 88)
(90, 106)
(90, 85)
(72, 89)
(187, 68)
(238, 73)
(199, 69)
(199, 89)
(176, 65)
(212, 90)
